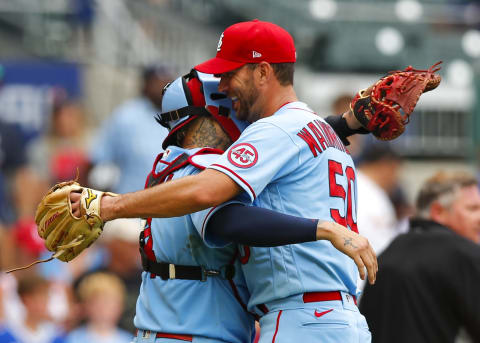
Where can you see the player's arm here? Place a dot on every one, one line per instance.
(172, 199)
(259, 227)
(240, 224)
(345, 126)
(217, 184)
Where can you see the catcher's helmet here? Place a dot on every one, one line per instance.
(193, 95)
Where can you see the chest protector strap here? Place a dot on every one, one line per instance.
(157, 178)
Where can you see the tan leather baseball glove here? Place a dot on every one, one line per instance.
(64, 234)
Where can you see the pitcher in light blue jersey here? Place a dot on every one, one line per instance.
(291, 161)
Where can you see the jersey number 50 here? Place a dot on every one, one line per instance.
(335, 168)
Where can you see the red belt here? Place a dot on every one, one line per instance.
(312, 297)
(187, 338)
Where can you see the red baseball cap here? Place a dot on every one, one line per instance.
(250, 42)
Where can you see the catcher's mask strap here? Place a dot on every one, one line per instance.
(166, 117)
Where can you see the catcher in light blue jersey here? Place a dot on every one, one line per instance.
(190, 292)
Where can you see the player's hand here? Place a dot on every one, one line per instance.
(351, 244)
(105, 201)
(350, 118)
(75, 202)
(352, 122)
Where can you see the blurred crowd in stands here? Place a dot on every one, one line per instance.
(93, 297)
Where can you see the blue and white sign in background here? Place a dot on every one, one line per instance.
(29, 88)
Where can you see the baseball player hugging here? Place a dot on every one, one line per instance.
(288, 160)
(252, 208)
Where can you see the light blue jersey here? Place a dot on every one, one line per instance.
(294, 163)
(207, 309)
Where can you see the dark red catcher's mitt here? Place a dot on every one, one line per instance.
(384, 108)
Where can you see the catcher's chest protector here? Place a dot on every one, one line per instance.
(155, 179)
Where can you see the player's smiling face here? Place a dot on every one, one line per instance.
(239, 86)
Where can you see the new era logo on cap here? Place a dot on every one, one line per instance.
(219, 45)
(241, 43)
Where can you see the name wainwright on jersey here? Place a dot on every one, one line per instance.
(320, 137)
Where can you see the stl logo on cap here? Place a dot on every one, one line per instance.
(250, 42)
(243, 155)
(220, 42)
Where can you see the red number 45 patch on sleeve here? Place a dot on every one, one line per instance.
(243, 155)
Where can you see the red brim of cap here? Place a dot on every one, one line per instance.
(218, 66)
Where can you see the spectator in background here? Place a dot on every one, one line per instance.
(120, 240)
(36, 326)
(341, 103)
(22, 246)
(377, 177)
(404, 210)
(14, 180)
(102, 296)
(426, 290)
(15, 177)
(55, 156)
(121, 243)
(82, 19)
(131, 138)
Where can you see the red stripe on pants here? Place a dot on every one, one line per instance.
(276, 328)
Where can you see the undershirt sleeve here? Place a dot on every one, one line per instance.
(339, 125)
(260, 227)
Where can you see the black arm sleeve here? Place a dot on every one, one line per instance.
(340, 126)
(260, 227)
